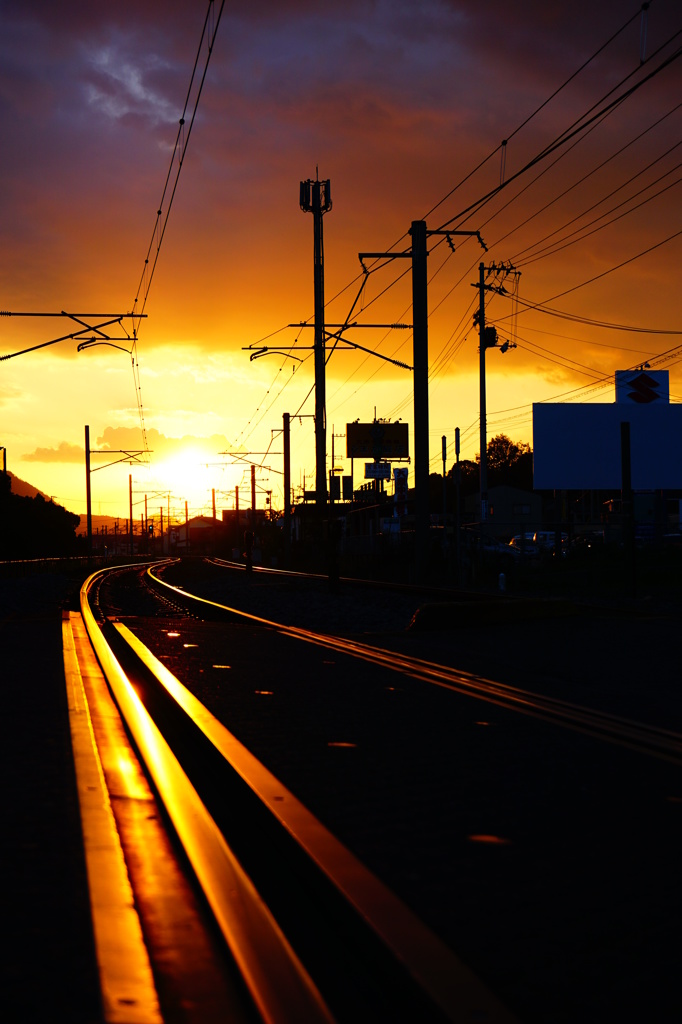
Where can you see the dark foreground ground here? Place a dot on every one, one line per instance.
(631, 649)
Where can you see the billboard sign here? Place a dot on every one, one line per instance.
(577, 447)
(377, 471)
(642, 387)
(376, 440)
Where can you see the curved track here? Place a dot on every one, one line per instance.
(372, 954)
(525, 826)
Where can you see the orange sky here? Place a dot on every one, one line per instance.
(396, 104)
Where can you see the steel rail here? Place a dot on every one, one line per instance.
(414, 968)
(447, 983)
(646, 739)
(351, 580)
(127, 986)
(279, 985)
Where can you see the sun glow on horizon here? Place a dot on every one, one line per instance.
(191, 476)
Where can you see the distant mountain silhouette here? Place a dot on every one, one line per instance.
(24, 489)
(32, 525)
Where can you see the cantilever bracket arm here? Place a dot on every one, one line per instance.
(266, 350)
(113, 318)
(370, 351)
(354, 325)
(127, 457)
(362, 256)
(91, 342)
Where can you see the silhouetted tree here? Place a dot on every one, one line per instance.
(510, 463)
(468, 476)
(35, 528)
(503, 453)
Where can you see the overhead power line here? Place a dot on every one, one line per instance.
(577, 130)
(579, 126)
(182, 138)
(208, 33)
(537, 110)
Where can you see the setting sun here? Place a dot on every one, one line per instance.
(188, 479)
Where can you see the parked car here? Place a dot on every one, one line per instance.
(525, 545)
(545, 541)
(493, 546)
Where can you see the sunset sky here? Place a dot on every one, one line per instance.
(404, 106)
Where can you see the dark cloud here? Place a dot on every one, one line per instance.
(129, 439)
(65, 452)
(162, 447)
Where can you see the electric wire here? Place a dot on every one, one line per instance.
(568, 133)
(208, 33)
(518, 129)
(537, 110)
(585, 177)
(578, 126)
(617, 266)
(568, 240)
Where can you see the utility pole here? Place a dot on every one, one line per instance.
(420, 359)
(286, 440)
(128, 456)
(253, 497)
(213, 528)
(483, 426)
(488, 339)
(444, 445)
(627, 505)
(130, 501)
(420, 336)
(332, 474)
(88, 496)
(315, 198)
(5, 482)
(457, 510)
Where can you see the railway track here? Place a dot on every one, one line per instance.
(644, 738)
(370, 957)
(529, 777)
